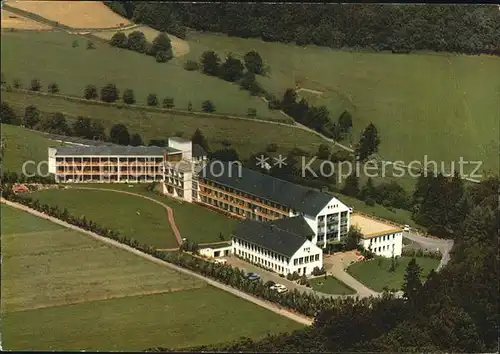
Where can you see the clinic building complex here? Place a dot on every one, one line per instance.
(284, 226)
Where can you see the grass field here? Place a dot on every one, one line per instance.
(62, 290)
(375, 273)
(331, 285)
(247, 137)
(133, 217)
(443, 106)
(119, 211)
(81, 14)
(53, 59)
(23, 145)
(11, 20)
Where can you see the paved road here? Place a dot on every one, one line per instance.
(432, 244)
(337, 264)
(268, 305)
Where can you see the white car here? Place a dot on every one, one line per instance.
(220, 261)
(406, 228)
(280, 288)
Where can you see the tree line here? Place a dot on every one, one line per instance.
(472, 29)
(160, 48)
(453, 310)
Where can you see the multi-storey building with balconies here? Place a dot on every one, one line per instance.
(248, 194)
(93, 161)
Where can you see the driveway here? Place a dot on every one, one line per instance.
(432, 244)
(337, 263)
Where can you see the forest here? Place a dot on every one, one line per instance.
(469, 29)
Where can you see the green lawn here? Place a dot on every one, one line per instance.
(195, 222)
(247, 137)
(47, 265)
(62, 290)
(53, 59)
(441, 105)
(331, 285)
(22, 146)
(174, 320)
(119, 211)
(133, 217)
(375, 273)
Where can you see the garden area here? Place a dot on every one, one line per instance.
(377, 275)
(330, 285)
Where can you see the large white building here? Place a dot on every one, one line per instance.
(245, 193)
(279, 246)
(381, 238)
(86, 161)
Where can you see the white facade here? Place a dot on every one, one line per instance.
(305, 259)
(186, 146)
(216, 252)
(331, 223)
(386, 245)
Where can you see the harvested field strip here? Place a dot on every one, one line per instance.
(74, 14)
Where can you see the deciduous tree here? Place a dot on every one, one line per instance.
(90, 92)
(109, 93)
(119, 134)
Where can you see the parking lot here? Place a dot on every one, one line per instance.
(266, 276)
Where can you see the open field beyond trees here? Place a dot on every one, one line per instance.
(75, 14)
(54, 59)
(139, 218)
(14, 21)
(62, 290)
(441, 105)
(375, 273)
(246, 136)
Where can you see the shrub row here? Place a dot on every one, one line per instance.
(308, 304)
(421, 253)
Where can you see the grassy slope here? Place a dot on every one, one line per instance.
(22, 146)
(195, 222)
(247, 137)
(53, 59)
(75, 266)
(443, 106)
(116, 211)
(40, 257)
(376, 276)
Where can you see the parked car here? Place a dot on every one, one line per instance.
(220, 261)
(280, 288)
(252, 276)
(406, 228)
(269, 284)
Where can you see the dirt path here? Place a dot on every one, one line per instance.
(265, 304)
(170, 212)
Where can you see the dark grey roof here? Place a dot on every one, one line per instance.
(76, 140)
(301, 199)
(198, 151)
(115, 150)
(269, 237)
(296, 225)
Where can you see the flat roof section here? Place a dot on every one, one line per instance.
(372, 227)
(115, 150)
